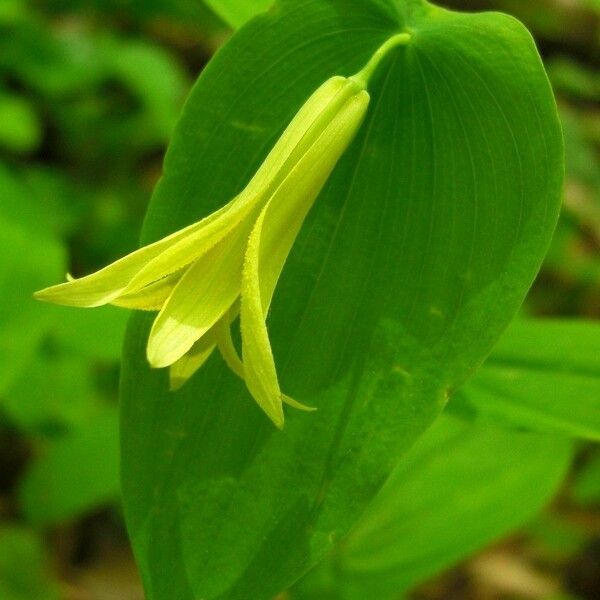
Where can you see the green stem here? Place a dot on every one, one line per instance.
(363, 76)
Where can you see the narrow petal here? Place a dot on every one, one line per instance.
(225, 342)
(109, 283)
(190, 248)
(295, 139)
(295, 404)
(270, 243)
(189, 363)
(290, 147)
(152, 263)
(151, 297)
(219, 336)
(203, 295)
(289, 205)
(222, 333)
(260, 373)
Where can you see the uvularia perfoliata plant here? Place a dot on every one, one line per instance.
(200, 278)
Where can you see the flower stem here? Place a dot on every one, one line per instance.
(363, 76)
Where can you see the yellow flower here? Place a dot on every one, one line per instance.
(202, 277)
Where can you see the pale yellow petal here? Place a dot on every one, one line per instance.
(151, 297)
(108, 283)
(189, 363)
(222, 333)
(185, 251)
(260, 373)
(295, 404)
(225, 342)
(202, 296)
(291, 145)
(219, 335)
(290, 204)
(294, 140)
(271, 241)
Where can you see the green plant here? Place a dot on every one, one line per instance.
(444, 420)
(414, 258)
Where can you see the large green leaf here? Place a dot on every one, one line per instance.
(30, 259)
(543, 375)
(413, 260)
(461, 487)
(73, 474)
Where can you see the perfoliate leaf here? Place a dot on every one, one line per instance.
(413, 259)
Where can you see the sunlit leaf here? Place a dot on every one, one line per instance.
(413, 259)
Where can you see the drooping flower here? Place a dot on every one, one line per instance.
(202, 277)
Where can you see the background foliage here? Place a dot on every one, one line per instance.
(89, 93)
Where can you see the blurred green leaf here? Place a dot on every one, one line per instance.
(94, 334)
(111, 96)
(39, 200)
(463, 486)
(416, 255)
(74, 474)
(11, 11)
(188, 13)
(23, 569)
(20, 127)
(154, 77)
(129, 110)
(542, 375)
(593, 5)
(559, 537)
(51, 61)
(30, 259)
(582, 161)
(586, 488)
(573, 78)
(53, 394)
(55, 201)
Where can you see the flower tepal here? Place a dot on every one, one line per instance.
(199, 279)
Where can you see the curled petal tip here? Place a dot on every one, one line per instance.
(154, 355)
(175, 384)
(295, 404)
(278, 421)
(156, 359)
